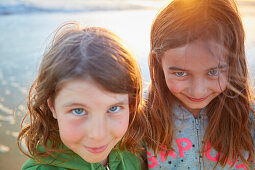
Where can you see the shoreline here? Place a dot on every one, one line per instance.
(23, 41)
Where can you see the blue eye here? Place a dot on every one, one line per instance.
(114, 109)
(79, 112)
(213, 73)
(180, 74)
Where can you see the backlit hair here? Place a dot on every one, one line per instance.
(229, 126)
(81, 53)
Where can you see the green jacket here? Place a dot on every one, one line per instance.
(118, 160)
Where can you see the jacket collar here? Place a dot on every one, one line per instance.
(180, 112)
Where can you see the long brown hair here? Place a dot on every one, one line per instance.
(76, 52)
(229, 126)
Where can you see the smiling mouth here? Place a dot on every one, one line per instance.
(96, 149)
(197, 100)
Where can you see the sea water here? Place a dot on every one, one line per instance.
(26, 27)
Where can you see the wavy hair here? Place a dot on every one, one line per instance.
(229, 126)
(76, 52)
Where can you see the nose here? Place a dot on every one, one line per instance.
(198, 88)
(97, 128)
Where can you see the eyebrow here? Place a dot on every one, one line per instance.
(119, 103)
(71, 104)
(174, 68)
(219, 67)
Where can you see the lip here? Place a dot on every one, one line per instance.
(96, 149)
(197, 100)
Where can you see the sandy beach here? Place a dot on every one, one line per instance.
(24, 38)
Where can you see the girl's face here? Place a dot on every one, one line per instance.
(195, 73)
(91, 120)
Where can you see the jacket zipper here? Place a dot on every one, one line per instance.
(107, 167)
(197, 120)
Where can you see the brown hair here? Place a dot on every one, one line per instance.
(92, 52)
(182, 22)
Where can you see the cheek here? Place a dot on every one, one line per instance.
(175, 86)
(120, 126)
(70, 131)
(220, 85)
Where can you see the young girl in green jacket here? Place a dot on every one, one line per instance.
(85, 104)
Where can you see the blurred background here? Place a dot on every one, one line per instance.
(26, 27)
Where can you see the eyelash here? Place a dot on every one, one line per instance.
(118, 107)
(176, 73)
(217, 71)
(85, 113)
(185, 74)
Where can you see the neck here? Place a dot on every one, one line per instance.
(195, 112)
(105, 162)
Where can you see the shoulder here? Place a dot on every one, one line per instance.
(124, 160)
(31, 164)
(252, 119)
(61, 161)
(128, 156)
(252, 112)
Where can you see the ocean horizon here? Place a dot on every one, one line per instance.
(26, 27)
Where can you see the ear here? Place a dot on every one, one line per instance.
(51, 106)
(153, 54)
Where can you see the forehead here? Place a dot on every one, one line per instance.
(203, 54)
(79, 90)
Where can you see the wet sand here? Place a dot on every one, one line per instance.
(24, 37)
(23, 40)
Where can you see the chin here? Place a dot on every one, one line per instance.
(196, 106)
